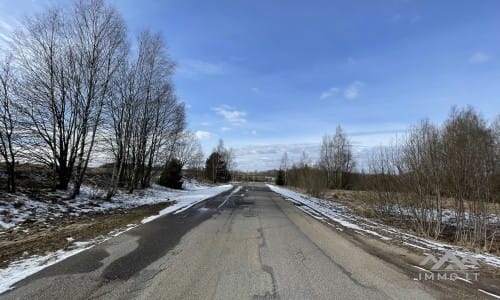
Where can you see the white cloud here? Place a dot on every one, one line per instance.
(479, 57)
(203, 135)
(194, 67)
(254, 132)
(329, 93)
(225, 129)
(233, 116)
(352, 91)
(267, 157)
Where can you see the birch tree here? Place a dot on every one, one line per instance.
(336, 158)
(146, 117)
(9, 129)
(67, 60)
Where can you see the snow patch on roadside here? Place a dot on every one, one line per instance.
(21, 269)
(183, 199)
(331, 210)
(489, 294)
(341, 214)
(22, 209)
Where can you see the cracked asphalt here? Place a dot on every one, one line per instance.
(256, 246)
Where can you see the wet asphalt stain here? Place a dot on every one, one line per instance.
(156, 238)
(160, 236)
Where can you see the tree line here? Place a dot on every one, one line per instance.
(455, 165)
(72, 87)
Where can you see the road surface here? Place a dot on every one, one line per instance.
(251, 245)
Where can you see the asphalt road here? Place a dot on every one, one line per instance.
(256, 246)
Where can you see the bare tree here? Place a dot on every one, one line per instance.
(336, 158)
(99, 48)
(9, 130)
(49, 115)
(119, 114)
(468, 170)
(227, 154)
(147, 119)
(422, 166)
(187, 150)
(67, 61)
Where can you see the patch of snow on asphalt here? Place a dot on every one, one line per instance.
(341, 214)
(229, 196)
(185, 200)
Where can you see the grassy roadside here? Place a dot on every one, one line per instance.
(39, 239)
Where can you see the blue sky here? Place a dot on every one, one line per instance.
(274, 76)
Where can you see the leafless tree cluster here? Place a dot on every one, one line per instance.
(336, 158)
(66, 61)
(306, 175)
(188, 151)
(146, 119)
(332, 170)
(72, 84)
(456, 163)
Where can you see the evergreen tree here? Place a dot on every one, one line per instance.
(216, 168)
(171, 175)
(280, 178)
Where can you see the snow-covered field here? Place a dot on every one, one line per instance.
(18, 270)
(340, 214)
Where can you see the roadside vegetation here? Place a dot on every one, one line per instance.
(76, 92)
(89, 123)
(441, 182)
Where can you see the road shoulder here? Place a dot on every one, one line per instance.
(377, 264)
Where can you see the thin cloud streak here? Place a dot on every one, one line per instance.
(231, 115)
